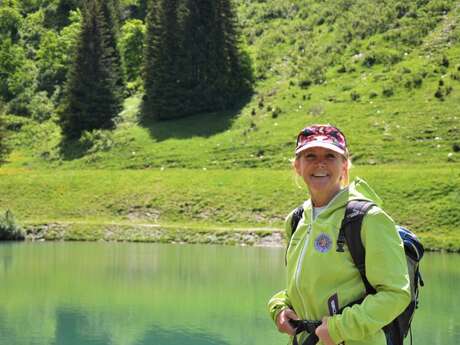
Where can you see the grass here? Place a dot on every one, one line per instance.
(425, 200)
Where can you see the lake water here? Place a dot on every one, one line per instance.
(153, 294)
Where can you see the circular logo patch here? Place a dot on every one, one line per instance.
(323, 243)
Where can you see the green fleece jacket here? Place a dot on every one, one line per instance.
(316, 271)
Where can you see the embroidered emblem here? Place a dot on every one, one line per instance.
(323, 243)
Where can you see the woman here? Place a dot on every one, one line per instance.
(320, 276)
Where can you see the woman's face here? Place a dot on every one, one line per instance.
(322, 170)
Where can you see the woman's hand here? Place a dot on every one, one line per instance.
(282, 321)
(323, 333)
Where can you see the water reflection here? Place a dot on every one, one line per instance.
(139, 294)
(180, 337)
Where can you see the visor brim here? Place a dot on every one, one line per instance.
(321, 144)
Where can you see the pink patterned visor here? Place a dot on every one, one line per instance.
(326, 136)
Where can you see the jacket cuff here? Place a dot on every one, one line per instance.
(334, 331)
(277, 310)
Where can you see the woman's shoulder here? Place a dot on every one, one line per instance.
(377, 223)
(376, 212)
(296, 215)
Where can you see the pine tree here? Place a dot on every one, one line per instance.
(162, 83)
(110, 11)
(238, 78)
(193, 63)
(94, 89)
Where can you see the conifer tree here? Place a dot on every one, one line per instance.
(193, 63)
(238, 77)
(162, 82)
(94, 89)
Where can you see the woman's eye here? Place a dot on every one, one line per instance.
(330, 156)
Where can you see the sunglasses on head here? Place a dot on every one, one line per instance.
(321, 130)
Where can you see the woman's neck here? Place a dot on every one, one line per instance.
(321, 199)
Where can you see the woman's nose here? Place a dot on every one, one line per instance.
(321, 162)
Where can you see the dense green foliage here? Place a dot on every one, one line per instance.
(9, 229)
(132, 39)
(192, 60)
(95, 84)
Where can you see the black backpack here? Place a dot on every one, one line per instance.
(350, 234)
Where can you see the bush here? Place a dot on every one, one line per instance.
(9, 229)
(305, 83)
(355, 96)
(41, 107)
(373, 94)
(439, 94)
(96, 140)
(385, 56)
(388, 91)
(456, 147)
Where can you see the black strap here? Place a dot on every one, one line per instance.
(305, 326)
(296, 217)
(350, 233)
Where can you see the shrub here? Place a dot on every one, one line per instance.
(417, 80)
(455, 76)
(9, 229)
(373, 94)
(355, 96)
(41, 107)
(305, 83)
(388, 91)
(444, 61)
(456, 147)
(276, 112)
(96, 140)
(384, 56)
(341, 69)
(439, 94)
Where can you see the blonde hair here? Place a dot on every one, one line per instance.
(346, 176)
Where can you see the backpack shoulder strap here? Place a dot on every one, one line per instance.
(350, 233)
(296, 217)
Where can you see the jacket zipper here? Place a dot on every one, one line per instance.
(299, 265)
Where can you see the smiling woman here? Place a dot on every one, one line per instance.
(323, 282)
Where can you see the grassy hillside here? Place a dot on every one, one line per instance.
(354, 64)
(388, 74)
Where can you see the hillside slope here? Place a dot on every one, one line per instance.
(387, 74)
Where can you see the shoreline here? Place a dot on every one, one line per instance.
(178, 234)
(153, 233)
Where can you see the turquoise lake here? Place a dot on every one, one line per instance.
(157, 294)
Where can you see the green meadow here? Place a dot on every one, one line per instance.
(93, 202)
(390, 80)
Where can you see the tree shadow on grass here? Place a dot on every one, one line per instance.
(199, 125)
(70, 149)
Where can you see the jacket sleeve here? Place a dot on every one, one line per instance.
(386, 270)
(280, 300)
(277, 303)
